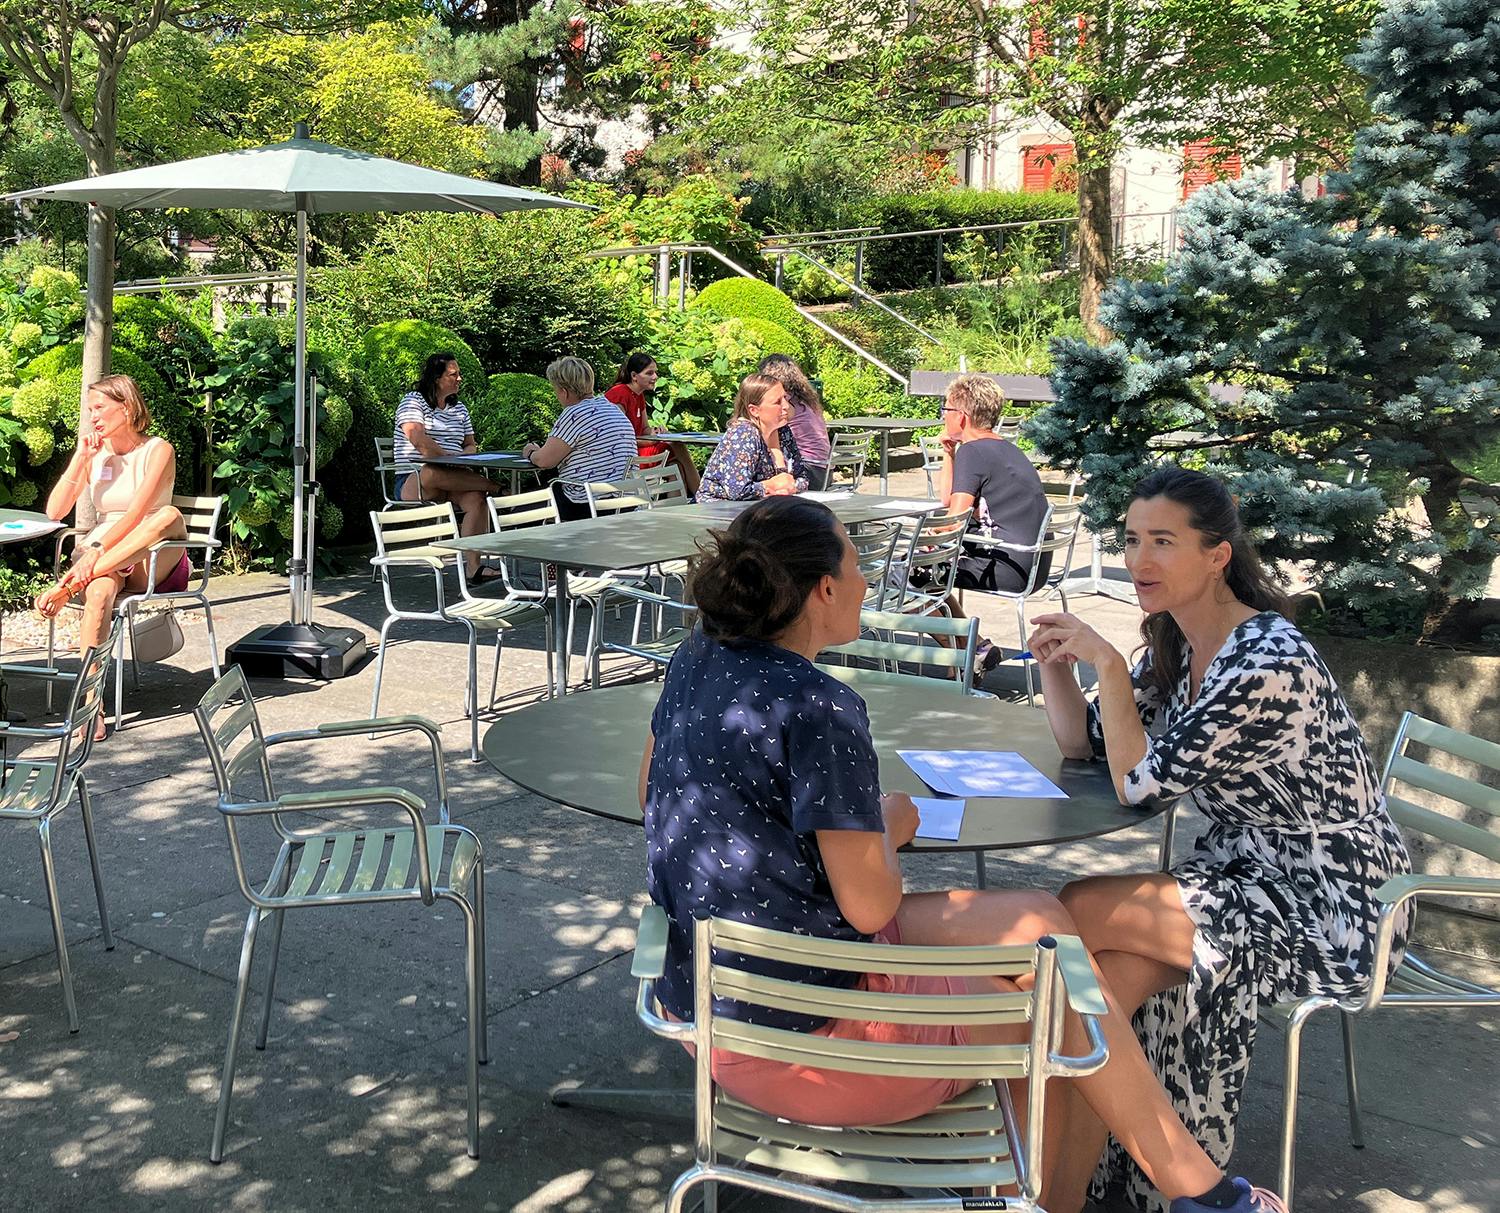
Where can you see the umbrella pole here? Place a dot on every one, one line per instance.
(297, 566)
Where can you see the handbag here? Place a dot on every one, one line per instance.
(156, 637)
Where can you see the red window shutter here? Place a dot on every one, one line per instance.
(1040, 163)
(578, 32)
(1041, 42)
(1199, 167)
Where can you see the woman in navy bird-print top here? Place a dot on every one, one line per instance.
(760, 789)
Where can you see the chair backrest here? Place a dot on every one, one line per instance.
(607, 497)
(937, 541)
(200, 515)
(387, 468)
(930, 642)
(973, 1159)
(849, 451)
(666, 486)
(85, 702)
(410, 527)
(874, 545)
(645, 463)
(1476, 805)
(513, 512)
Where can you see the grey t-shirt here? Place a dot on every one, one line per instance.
(1009, 503)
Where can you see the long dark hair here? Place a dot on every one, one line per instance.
(434, 369)
(799, 389)
(751, 580)
(634, 365)
(1213, 513)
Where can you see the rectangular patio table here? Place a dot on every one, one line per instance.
(642, 537)
(491, 461)
(884, 426)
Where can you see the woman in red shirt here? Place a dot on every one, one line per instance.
(637, 379)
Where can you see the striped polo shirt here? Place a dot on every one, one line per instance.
(448, 427)
(600, 440)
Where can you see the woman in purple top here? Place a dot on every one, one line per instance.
(808, 426)
(757, 457)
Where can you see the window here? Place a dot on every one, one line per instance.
(1045, 166)
(1203, 164)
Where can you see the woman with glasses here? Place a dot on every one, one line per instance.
(758, 456)
(128, 476)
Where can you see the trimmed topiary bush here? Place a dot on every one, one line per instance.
(771, 337)
(749, 298)
(395, 352)
(163, 335)
(514, 409)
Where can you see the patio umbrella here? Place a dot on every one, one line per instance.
(307, 177)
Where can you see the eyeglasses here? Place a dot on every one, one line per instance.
(952, 408)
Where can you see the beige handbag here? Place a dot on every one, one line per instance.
(156, 637)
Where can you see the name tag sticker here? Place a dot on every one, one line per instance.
(106, 472)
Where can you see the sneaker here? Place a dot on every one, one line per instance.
(1252, 1200)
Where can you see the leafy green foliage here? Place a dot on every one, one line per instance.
(513, 410)
(749, 298)
(162, 333)
(702, 360)
(853, 388)
(396, 351)
(773, 339)
(1363, 325)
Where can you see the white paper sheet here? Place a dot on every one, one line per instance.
(828, 496)
(917, 503)
(18, 531)
(981, 773)
(942, 819)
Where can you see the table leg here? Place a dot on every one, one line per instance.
(560, 633)
(885, 459)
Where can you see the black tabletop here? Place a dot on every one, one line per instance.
(585, 751)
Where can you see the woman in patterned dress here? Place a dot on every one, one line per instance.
(760, 790)
(1232, 710)
(757, 457)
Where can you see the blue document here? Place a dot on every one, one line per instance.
(981, 773)
(939, 818)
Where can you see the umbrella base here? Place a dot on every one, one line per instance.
(298, 650)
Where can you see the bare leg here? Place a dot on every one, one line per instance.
(1142, 941)
(1125, 1094)
(466, 489)
(133, 547)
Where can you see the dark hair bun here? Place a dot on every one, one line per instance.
(751, 580)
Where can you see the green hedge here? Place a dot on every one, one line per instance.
(904, 264)
(395, 352)
(162, 334)
(751, 299)
(774, 339)
(514, 409)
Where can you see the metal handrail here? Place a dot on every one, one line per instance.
(831, 231)
(864, 294)
(689, 250)
(936, 231)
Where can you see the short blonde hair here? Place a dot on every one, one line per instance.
(573, 375)
(980, 397)
(123, 389)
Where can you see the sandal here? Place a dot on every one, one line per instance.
(485, 574)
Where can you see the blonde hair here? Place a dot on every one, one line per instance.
(980, 397)
(573, 375)
(123, 388)
(752, 391)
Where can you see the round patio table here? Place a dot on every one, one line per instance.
(585, 751)
(17, 526)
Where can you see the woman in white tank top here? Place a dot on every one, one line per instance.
(129, 476)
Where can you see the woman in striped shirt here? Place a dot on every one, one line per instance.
(432, 421)
(591, 440)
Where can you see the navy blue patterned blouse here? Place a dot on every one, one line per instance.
(743, 460)
(756, 748)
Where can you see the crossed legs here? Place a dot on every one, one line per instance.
(1125, 1097)
(466, 489)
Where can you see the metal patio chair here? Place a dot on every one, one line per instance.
(933, 545)
(36, 789)
(645, 463)
(404, 539)
(891, 638)
(1416, 984)
(848, 450)
(387, 468)
(1057, 536)
(317, 865)
(875, 547)
(200, 516)
(973, 1142)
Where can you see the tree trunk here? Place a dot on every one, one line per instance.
(1096, 244)
(1460, 568)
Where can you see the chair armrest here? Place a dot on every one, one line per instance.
(1078, 977)
(648, 964)
(985, 541)
(163, 545)
(640, 594)
(53, 731)
(349, 798)
(380, 725)
(42, 673)
(1402, 888)
(407, 562)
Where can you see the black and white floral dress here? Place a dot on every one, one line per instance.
(1280, 887)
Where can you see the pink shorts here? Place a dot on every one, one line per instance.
(834, 1097)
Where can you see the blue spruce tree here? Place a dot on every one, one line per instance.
(1364, 327)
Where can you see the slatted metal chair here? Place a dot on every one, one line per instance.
(933, 546)
(1416, 983)
(389, 469)
(973, 1142)
(403, 540)
(932, 460)
(200, 516)
(849, 451)
(890, 639)
(1057, 537)
(316, 866)
(40, 783)
(664, 485)
(645, 463)
(875, 546)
